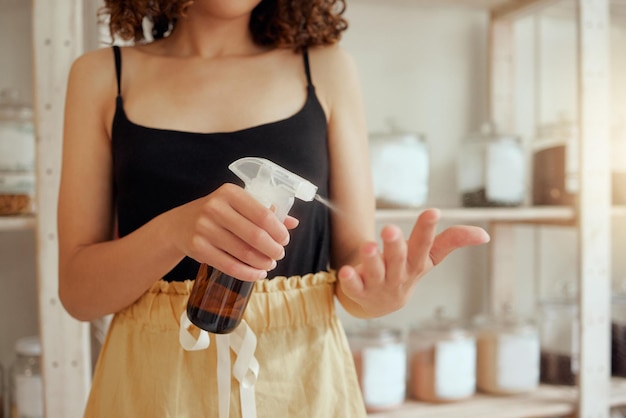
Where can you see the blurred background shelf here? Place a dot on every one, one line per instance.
(547, 401)
(13, 223)
(544, 214)
(526, 214)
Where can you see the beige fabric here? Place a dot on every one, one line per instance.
(306, 366)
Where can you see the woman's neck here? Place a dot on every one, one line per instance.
(209, 37)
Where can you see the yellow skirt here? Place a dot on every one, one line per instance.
(306, 367)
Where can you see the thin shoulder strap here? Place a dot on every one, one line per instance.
(307, 68)
(118, 68)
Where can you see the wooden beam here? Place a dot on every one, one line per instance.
(515, 9)
(501, 267)
(594, 208)
(66, 362)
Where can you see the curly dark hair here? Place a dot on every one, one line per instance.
(295, 24)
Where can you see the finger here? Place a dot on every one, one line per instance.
(373, 267)
(394, 253)
(226, 241)
(421, 240)
(258, 214)
(456, 237)
(226, 263)
(222, 213)
(351, 283)
(291, 222)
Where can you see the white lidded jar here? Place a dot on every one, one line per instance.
(400, 168)
(442, 360)
(27, 384)
(380, 359)
(491, 169)
(17, 137)
(17, 155)
(508, 354)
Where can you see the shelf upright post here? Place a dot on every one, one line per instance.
(501, 280)
(58, 40)
(594, 208)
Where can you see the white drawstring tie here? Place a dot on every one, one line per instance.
(245, 370)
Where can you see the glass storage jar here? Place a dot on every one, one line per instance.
(508, 354)
(379, 354)
(555, 163)
(27, 385)
(442, 360)
(400, 168)
(559, 341)
(491, 169)
(618, 335)
(17, 155)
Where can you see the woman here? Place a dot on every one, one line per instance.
(146, 198)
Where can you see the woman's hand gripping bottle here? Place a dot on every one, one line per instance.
(217, 301)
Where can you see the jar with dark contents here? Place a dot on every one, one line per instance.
(559, 341)
(379, 354)
(508, 353)
(491, 169)
(618, 336)
(555, 163)
(441, 361)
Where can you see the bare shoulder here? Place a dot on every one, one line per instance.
(92, 85)
(334, 73)
(332, 62)
(95, 68)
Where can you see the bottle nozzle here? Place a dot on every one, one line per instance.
(271, 184)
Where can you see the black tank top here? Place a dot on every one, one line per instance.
(156, 170)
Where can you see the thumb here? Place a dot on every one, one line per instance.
(351, 283)
(455, 237)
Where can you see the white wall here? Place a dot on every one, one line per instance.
(15, 47)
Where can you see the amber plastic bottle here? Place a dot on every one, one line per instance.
(221, 309)
(217, 301)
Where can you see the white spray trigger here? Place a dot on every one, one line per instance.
(271, 184)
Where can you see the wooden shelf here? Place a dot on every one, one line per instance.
(543, 214)
(527, 214)
(547, 401)
(13, 223)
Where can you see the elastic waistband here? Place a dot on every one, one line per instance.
(276, 284)
(279, 302)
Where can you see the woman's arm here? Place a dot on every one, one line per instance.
(372, 282)
(99, 275)
(338, 87)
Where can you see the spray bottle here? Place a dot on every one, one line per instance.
(217, 301)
